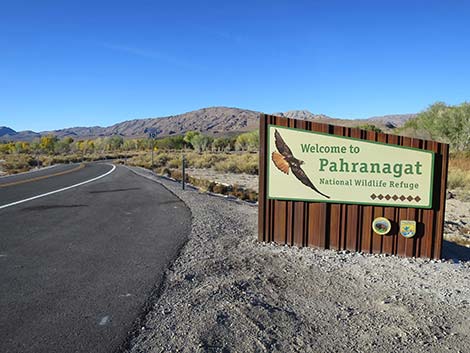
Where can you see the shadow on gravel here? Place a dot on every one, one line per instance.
(452, 251)
(50, 207)
(113, 190)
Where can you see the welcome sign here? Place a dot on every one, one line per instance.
(312, 166)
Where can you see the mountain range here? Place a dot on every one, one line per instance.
(216, 121)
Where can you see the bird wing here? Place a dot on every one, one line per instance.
(280, 162)
(300, 174)
(282, 146)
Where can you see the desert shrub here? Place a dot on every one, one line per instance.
(227, 166)
(18, 163)
(142, 160)
(221, 189)
(161, 160)
(165, 171)
(176, 174)
(460, 161)
(203, 160)
(239, 163)
(175, 162)
(458, 178)
(459, 171)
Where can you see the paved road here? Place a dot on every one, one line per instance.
(77, 266)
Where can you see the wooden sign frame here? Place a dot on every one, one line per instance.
(348, 226)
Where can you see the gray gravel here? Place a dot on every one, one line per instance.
(228, 293)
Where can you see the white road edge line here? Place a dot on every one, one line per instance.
(59, 190)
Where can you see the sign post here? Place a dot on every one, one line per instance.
(152, 134)
(343, 188)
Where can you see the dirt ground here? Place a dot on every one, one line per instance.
(246, 181)
(228, 293)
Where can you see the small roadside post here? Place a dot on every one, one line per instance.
(183, 173)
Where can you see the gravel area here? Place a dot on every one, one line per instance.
(457, 223)
(228, 293)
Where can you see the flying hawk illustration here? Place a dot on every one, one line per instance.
(285, 160)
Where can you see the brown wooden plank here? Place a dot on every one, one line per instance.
(428, 217)
(335, 209)
(317, 216)
(419, 217)
(368, 213)
(335, 227)
(377, 240)
(290, 222)
(280, 207)
(439, 233)
(353, 224)
(299, 230)
(269, 204)
(262, 180)
(299, 220)
(389, 213)
(413, 214)
(403, 215)
(290, 205)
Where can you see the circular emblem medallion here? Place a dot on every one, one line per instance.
(381, 225)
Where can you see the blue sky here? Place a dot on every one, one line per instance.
(85, 63)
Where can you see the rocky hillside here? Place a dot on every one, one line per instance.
(8, 134)
(386, 122)
(6, 131)
(215, 121)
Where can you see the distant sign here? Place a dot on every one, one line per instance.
(152, 132)
(311, 166)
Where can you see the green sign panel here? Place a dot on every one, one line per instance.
(312, 166)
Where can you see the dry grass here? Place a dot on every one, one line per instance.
(459, 172)
(460, 161)
(18, 163)
(224, 162)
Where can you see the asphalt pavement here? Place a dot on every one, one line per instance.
(78, 267)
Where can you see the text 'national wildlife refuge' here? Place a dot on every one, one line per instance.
(312, 166)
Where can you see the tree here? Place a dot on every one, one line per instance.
(249, 141)
(369, 127)
(200, 142)
(189, 136)
(62, 147)
(47, 143)
(450, 124)
(129, 145)
(114, 143)
(222, 144)
(170, 143)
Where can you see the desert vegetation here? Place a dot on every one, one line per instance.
(449, 124)
(230, 154)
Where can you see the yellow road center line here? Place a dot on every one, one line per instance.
(81, 166)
